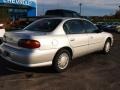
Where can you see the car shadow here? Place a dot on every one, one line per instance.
(8, 68)
(4, 69)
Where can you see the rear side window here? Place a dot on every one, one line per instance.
(74, 27)
(44, 25)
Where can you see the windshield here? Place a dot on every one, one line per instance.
(44, 25)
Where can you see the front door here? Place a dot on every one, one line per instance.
(95, 36)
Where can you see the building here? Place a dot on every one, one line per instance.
(14, 9)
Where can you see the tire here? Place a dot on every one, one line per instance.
(118, 30)
(61, 60)
(107, 47)
(1, 41)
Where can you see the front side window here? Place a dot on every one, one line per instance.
(74, 27)
(44, 25)
(89, 27)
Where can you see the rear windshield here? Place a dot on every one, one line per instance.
(44, 25)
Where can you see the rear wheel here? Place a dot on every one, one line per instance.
(62, 60)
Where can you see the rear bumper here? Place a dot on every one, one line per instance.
(27, 58)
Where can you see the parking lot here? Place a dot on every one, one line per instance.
(92, 72)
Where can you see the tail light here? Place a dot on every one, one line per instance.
(30, 44)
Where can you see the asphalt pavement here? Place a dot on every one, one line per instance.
(91, 72)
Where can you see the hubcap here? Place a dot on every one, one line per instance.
(63, 61)
(107, 48)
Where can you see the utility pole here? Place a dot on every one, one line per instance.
(80, 4)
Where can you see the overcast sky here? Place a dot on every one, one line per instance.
(89, 7)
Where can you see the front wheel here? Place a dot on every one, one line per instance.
(107, 47)
(62, 60)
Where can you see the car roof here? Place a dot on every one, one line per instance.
(64, 18)
(62, 10)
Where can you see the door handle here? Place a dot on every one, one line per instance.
(72, 39)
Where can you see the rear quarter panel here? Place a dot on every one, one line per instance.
(53, 42)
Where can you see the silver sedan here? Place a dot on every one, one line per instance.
(54, 42)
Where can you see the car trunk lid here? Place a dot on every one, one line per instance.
(12, 38)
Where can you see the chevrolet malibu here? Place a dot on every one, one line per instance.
(54, 42)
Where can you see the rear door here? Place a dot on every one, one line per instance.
(78, 39)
